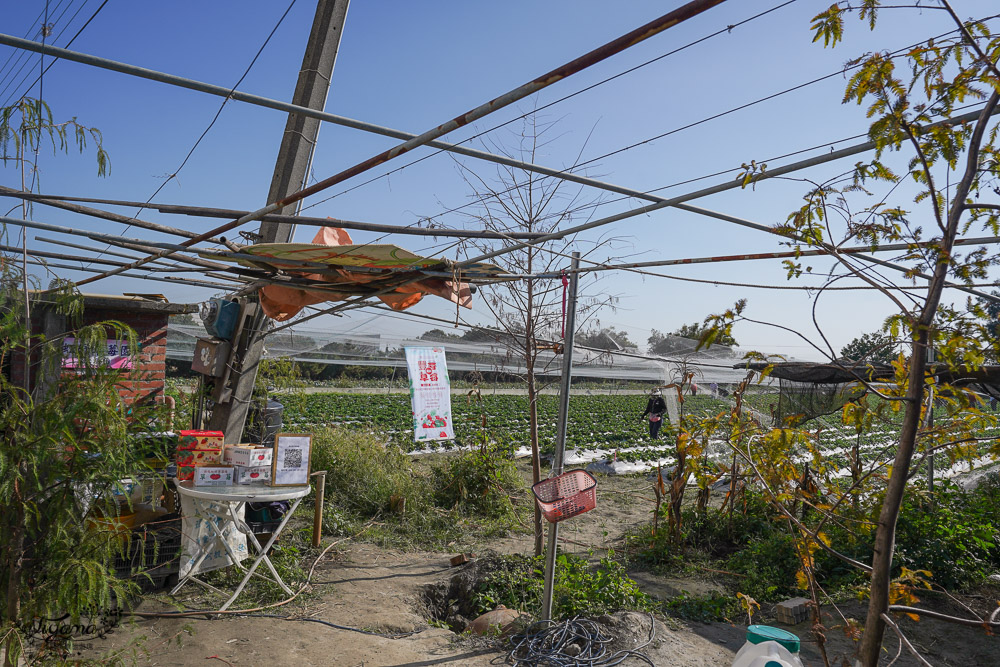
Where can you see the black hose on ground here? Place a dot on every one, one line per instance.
(577, 642)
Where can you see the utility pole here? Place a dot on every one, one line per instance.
(290, 174)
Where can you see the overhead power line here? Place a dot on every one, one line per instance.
(68, 44)
(723, 31)
(599, 54)
(678, 202)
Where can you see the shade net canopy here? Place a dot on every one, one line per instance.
(492, 353)
(399, 278)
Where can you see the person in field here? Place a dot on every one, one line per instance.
(656, 407)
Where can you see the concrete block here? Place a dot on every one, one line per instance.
(793, 611)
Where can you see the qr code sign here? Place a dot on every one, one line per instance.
(293, 458)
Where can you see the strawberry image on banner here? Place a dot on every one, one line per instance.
(430, 393)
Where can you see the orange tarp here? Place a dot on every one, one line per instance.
(283, 303)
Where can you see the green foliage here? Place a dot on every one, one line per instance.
(703, 608)
(955, 535)
(579, 588)
(606, 338)
(277, 375)
(597, 422)
(439, 335)
(27, 121)
(715, 533)
(769, 565)
(66, 449)
(871, 347)
(705, 333)
(480, 482)
(374, 491)
(363, 475)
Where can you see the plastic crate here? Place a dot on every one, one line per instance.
(262, 519)
(566, 495)
(153, 554)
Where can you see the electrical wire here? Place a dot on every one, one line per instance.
(727, 30)
(27, 35)
(221, 107)
(13, 74)
(215, 118)
(45, 27)
(68, 44)
(841, 72)
(577, 642)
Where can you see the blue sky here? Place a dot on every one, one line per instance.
(411, 66)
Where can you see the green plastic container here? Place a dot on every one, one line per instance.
(758, 634)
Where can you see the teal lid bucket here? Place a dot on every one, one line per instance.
(758, 634)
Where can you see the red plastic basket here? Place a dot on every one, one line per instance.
(566, 495)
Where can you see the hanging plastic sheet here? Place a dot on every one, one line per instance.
(333, 246)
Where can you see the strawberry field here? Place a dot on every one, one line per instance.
(602, 428)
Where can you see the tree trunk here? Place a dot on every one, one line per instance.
(529, 364)
(536, 465)
(885, 535)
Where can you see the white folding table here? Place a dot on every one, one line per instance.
(224, 503)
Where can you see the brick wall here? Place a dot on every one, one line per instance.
(145, 382)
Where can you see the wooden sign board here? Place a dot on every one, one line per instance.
(292, 454)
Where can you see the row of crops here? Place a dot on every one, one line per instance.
(602, 422)
(604, 429)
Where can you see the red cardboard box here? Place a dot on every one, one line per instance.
(199, 457)
(200, 440)
(197, 448)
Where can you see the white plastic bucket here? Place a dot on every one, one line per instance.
(768, 647)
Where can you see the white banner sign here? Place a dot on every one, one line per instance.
(430, 393)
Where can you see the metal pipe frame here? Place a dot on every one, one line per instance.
(165, 279)
(560, 451)
(106, 215)
(308, 221)
(347, 291)
(597, 55)
(475, 114)
(78, 246)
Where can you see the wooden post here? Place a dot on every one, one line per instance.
(318, 516)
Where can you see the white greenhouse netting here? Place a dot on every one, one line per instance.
(713, 366)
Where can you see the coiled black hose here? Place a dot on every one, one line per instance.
(577, 642)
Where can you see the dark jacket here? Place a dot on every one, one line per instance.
(655, 405)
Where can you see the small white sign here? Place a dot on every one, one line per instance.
(291, 459)
(213, 475)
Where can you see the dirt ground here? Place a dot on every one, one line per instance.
(381, 593)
